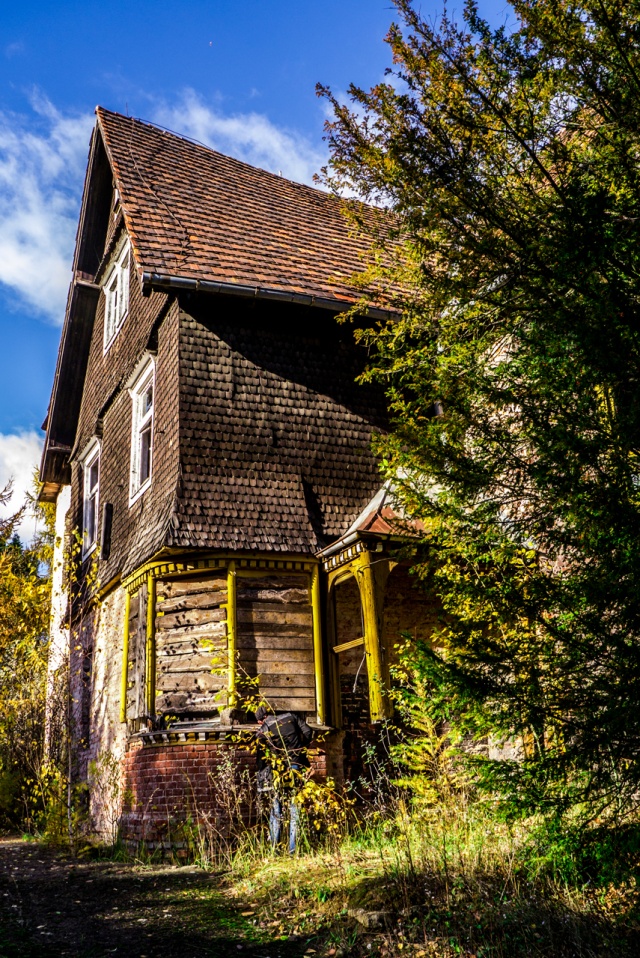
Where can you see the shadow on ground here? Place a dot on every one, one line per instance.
(51, 905)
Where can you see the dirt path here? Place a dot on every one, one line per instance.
(51, 905)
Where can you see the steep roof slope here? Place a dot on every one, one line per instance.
(197, 215)
(196, 220)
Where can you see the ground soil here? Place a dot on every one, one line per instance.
(54, 905)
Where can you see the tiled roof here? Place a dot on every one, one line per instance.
(382, 516)
(197, 215)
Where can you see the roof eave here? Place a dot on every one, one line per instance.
(165, 281)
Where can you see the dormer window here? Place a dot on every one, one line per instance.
(116, 292)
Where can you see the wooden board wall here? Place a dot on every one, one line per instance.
(191, 644)
(275, 640)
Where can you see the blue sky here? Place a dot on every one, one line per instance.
(239, 76)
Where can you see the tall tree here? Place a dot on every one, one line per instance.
(24, 629)
(510, 159)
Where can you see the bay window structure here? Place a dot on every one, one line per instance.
(142, 395)
(116, 291)
(91, 487)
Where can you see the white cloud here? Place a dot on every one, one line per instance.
(42, 159)
(251, 137)
(43, 154)
(19, 457)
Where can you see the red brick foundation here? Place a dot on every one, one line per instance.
(172, 785)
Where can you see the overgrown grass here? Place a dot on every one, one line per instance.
(443, 880)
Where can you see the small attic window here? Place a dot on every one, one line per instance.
(116, 291)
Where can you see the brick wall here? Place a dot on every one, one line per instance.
(211, 782)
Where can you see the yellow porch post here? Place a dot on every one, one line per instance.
(316, 612)
(150, 657)
(379, 704)
(125, 658)
(232, 643)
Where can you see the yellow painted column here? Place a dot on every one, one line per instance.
(124, 681)
(316, 614)
(232, 632)
(379, 704)
(151, 647)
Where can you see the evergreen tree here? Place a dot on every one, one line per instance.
(510, 161)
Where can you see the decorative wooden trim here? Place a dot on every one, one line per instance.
(342, 558)
(245, 566)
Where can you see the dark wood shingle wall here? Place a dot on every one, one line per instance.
(106, 409)
(275, 433)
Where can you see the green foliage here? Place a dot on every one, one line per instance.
(510, 160)
(24, 625)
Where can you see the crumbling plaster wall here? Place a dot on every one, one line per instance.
(107, 735)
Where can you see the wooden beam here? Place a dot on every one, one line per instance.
(379, 703)
(232, 632)
(344, 646)
(150, 697)
(316, 610)
(125, 658)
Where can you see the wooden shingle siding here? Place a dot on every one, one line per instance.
(275, 434)
(191, 644)
(275, 640)
(139, 530)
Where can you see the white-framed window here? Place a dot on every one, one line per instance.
(142, 395)
(116, 292)
(90, 497)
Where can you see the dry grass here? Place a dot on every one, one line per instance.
(448, 881)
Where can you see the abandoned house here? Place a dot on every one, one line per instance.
(208, 442)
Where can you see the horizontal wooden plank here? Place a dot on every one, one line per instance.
(291, 703)
(197, 660)
(178, 653)
(263, 616)
(276, 582)
(287, 681)
(200, 681)
(190, 617)
(293, 669)
(266, 637)
(168, 588)
(202, 600)
(190, 702)
(276, 655)
(275, 596)
(210, 630)
(274, 641)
